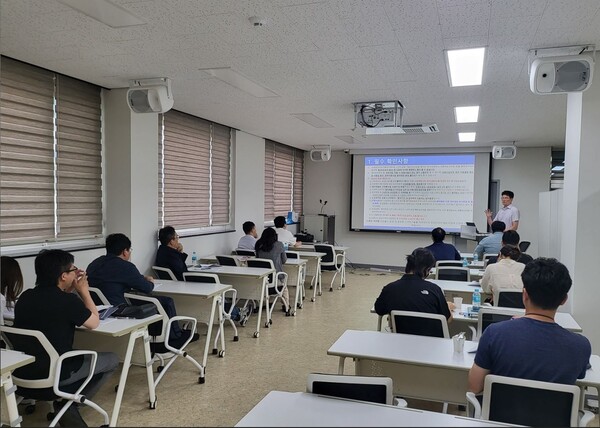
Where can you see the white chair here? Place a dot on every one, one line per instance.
(274, 282)
(35, 343)
(98, 296)
(509, 298)
(490, 315)
(452, 273)
(455, 263)
(330, 262)
(161, 343)
(529, 402)
(419, 323)
(164, 273)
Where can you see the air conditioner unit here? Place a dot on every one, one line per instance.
(561, 74)
(504, 152)
(320, 154)
(150, 95)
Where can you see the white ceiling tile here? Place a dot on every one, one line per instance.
(517, 8)
(466, 19)
(513, 31)
(568, 13)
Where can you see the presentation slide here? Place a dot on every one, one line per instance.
(416, 193)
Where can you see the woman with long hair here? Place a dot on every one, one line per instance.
(11, 283)
(268, 247)
(505, 273)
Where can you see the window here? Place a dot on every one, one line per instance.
(284, 179)
(194, 174)
(51, 156)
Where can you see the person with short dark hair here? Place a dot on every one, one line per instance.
(441, 250)
(508, 214)
(53, 308)
(511, 237)
(412, 292)
(283, 235)
(11, 284)
(506, 273)
(170, 253)
(248, 241)
(534, 346)
(491, 244)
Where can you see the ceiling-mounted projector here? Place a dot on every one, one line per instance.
(320, 153)
(150, 95)
(504, 152)
(376, 114)
(561, 74)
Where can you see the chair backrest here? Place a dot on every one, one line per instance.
(528, 402)
(241, 252)
(262, 263)
(292, 254)
(488, 255)
(365, 388)
(164, 273)
(456, 263)
(509, 298)
(524, 245)
(98, 296)
(451, 273)
(488, 316)
(207, 278)
(157, 329)
(227, 261)
(329, 257)
(419, 323)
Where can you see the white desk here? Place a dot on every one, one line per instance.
(313, 268)
(462, 289)
(295, 269)
(302, 409)
(421, 367)
(10, 361)
(250, 283)
(197, 300)
(114, 328)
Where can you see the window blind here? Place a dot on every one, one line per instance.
(284, 170)
(220, 174)
(298, 186)
(269, 180)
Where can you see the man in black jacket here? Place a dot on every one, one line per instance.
(170, 253)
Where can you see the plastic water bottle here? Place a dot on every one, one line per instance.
(286, 246)
(194, 258)
(465, 262)
(475, 257)
(476, 300)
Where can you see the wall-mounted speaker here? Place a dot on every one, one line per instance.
(320, 154)
(561, 74)
(150, 95)
(504, 152)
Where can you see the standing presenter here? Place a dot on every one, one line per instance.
(509, 214)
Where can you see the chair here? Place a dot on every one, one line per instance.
(509, 298)
(487, 256)
(161, 343)
(331, 261)
(451, 273)
(273, 283)
(240, 252)
(529, 402)
(419, 323)
(227, 261)
(455, 263)
(490, 315)
(364, 388)
(35, 343)
(164, 273)
(524, 245)
(98, 296)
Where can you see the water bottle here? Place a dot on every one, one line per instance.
(194, 258)
(465, 262)
(475, 257)
(286, 246)
(476, 300)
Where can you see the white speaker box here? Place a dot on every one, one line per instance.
(150, 96)
(320, 155)
(561, 74)
(504, 152)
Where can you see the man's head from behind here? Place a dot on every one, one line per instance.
(511, 237)
(51, 265)
(249, 228)
(279, 221)
(438, 234)
(118, 244)
(546, 282)
(498, 226)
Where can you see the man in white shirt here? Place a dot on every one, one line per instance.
(508, 214)
(248, 241)
(284, 235)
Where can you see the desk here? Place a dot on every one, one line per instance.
(462, 289)
(295, 268)
(337, 248)
(313, 267)
(421, 367)
(114, 328)
(302, 409)
(250, 283)
(196, 300)
(10, 361)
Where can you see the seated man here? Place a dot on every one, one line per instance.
(491, 244)
(115, 275)
(534, 346)
(441, 250)
(412, 292)
(248, 241)
(283, 235)
(52, 308)
(511, 237)
(170, 253)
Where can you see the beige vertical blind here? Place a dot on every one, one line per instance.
(220, 174)
(269, 180)
(50, 181)
(298, 187)
(284, 169)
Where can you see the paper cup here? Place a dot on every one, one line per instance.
(459, 344)
(458, 303)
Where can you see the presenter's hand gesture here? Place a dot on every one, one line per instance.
(488, 213)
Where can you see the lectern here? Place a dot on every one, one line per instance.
(321, 226)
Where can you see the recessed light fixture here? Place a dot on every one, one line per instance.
(469, 114)
(238, 80)
(465, 66)
(466, 137)
(312, 120)
(106, 12)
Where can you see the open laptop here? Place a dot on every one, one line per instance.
(470, 223)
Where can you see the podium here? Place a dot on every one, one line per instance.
(321, 226)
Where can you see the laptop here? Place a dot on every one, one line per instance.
(470, 223)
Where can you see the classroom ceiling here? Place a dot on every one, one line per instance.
(320, 57)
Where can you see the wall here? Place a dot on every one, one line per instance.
(527, 174)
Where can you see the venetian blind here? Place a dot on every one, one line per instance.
(298, 188)
(284, 169)
(220, 174)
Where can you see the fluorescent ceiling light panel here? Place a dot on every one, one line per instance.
(465, 66)
(238, 80)
(466, 137)
(106, 12)
(312, 120)
(468, 114)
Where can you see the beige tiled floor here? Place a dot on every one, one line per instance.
(279, 360)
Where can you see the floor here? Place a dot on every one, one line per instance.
(279, 360)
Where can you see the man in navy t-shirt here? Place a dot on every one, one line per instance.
(441, 250)
(534, 346)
